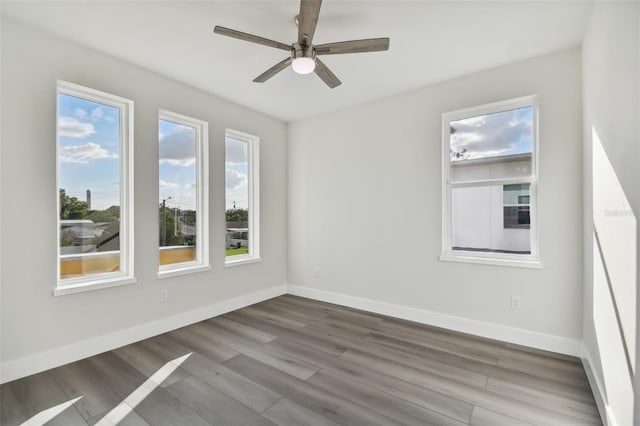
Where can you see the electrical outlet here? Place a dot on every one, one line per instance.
(164, 295)
(316, 272)
(515, 302)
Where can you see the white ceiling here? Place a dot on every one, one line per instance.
(430, 42)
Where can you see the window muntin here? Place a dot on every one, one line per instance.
(489, 174)
(182, 197)
(95, 189)
(242, 197)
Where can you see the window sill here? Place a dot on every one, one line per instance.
(184, 270)
(531, 263)
(62, 290)
(242, 261)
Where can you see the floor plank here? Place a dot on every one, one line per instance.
(77, 379)
(290, 365)
(163, 408)
(578, 409)
(188, 338)
(131, 419)
(10, 412)
(484, 417)
(213, 405)
(236, 386)
(147, 360)
(381, 402)
(39, 392)
(287, 413)
(427, 398)
(314, 342)
(313, 398)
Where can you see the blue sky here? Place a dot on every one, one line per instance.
(498, 134)
(89, 151)
(89, 148)
(177, 165)
(236, 180)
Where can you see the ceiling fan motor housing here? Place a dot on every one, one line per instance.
(303, 51)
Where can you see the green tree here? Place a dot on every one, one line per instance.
(112, 214)
(170, 234)
(237, 215)
(71, 207)
(68, 238)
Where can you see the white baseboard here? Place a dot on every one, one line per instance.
(503, 333)
(42, 361)
(606, 415)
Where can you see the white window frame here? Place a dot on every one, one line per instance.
(253, 169)
(201, 263)
(126, 273)
(504, 259)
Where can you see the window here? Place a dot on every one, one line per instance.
(242, 242)
(516, 206)
(489, 184)
(183, 196)
(95, 189)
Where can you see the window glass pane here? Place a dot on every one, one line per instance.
(516, 206)
(516, 194)
(237, 196)
(478, 221)
(177, 205)
(492, 146)
(90, 188)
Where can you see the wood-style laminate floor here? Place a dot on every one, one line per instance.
(294, 361)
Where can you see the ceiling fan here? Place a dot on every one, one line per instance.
(303, 54)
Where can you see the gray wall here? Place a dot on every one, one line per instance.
(365, 202)
(611, 87)
(33, 321)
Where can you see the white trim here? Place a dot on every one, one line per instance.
(447, 254)
(253, 170)
(232, 261)
(201, 262)
(598, 391)
(503, 333)
(99, 282)
(17, 368)
(184, 268)
(520, 261)
(126, 274)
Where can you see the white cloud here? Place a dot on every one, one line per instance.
(97, 114)
(177, 148)
(85, 153)
(165, 184)
(235, 151)
(491, 135)
(80, 113)
(235, 179)
(70, 127)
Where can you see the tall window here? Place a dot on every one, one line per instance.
(489, 178)
(182, 201)
(95, 189)
(242, 243)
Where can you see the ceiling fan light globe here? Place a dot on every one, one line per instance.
(303, 65)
